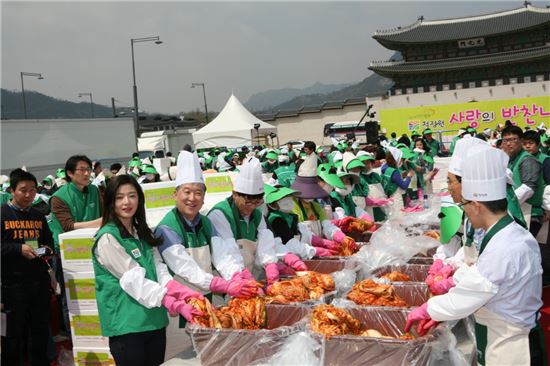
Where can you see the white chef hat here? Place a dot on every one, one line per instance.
(249, 180)
(459, 154)
(396, 153)
(188, 169)
(484, 175)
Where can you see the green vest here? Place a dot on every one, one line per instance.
(434, 147)
(83, 207)
(346, 203)
(239, 227)
(189, 239)
(375, 178)
(536, 200)
(286, 175)
(290, 219)
(514, 208)
(119, 313)
(361, 189)
(269, 168)
(389, 186)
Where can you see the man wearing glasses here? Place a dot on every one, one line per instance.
(239, 218)
(527, 177)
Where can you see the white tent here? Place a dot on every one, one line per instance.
(233, 127)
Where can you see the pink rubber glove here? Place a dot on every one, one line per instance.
(443, 286)
(245, 274)
(338, 236)
(168, 303)
(181, 292)
(272, 273)
(186, 310)
(294, 262)
(446, 271)
(285, 270)
(317, 241)
(322, 252)
(237, 287)
(366, 217)
(420, 314)
(436, 266)
(378, 202)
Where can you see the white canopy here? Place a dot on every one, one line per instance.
(233, 127)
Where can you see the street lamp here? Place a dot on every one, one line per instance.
(80, 95)
(204, 96)
(157, 40)
(37, 75)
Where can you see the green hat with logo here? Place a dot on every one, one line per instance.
(407, 153)
(277, 193)
(331, 178)
(148, 169)
(134, 162)
(272, 155)
(427, 131)
(451, 219)
(60, 173)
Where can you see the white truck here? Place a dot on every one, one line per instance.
(158, 143)
(43, 145)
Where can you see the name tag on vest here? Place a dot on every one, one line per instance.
(136, 253)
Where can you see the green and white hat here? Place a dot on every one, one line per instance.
(272, 155)
(363, 156)
(274, 194)
(451, 219)
(349, 161)
(329, 175)
(148, 169)
(134, 162)
(427, 131)
(60, 173)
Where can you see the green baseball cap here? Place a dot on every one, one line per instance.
(278, 193)
(323, 172)
(427, 131)
(407, 153)
(134, 162)
(355, 163)
(272, 155)
(451, 219)
(60, 173)
(415, 133)
(365, 157)
(338, 163)
(354, 177)
(148, 169)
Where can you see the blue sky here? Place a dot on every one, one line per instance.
(240, 47)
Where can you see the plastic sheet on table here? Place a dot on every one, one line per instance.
(352, 350)
(414, 294)
(299, 349)
(417, 272)
(244, 347)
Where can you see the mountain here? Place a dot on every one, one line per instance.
(266, 100)
(373, 84)
(43, 106)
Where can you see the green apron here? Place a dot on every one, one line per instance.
(119, 313)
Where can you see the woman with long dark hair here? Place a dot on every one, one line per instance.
(133, 286)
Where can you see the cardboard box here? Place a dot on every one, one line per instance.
(86, 330)
(76, 250)
(80, 290)
(93, 357)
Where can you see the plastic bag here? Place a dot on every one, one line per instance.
(299, 349)
(344, 280)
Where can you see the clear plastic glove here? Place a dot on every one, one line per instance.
(186, 310)
(237, 287)
(294, 262)
(420, 315)
(181, 292)
(322, 252)
(319, 242)
(272, 273)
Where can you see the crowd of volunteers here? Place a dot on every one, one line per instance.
(494, 228)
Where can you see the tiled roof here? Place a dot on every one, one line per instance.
(402, 67)
(423, 31)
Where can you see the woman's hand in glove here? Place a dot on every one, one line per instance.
(181, 292)
(322, 252)
(236, 287)
(272, 273)
(319, 242)
(420, 315)
(186, 310)
(294, 262)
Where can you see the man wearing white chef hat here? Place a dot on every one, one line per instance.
(503, 289)
(188, 235)
(238, 219)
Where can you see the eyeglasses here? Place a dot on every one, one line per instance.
(84, 170)
(510, 139)
(462, 204)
